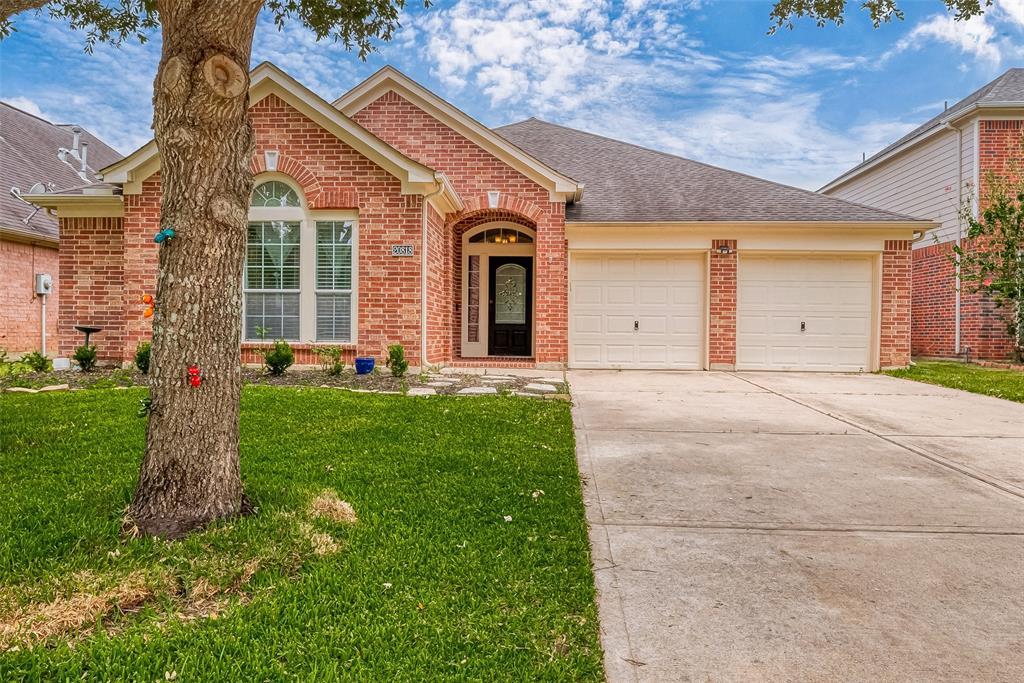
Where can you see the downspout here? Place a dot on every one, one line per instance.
(423, 270)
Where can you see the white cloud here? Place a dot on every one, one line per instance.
(30, 106)
(975, 37)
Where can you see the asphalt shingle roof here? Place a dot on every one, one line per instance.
(625, 183)
(28, 155)
(1008, 88)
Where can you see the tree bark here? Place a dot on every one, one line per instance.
(190, 473)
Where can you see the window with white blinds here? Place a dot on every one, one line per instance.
(272, 280)
(334, 281)
(300, 268)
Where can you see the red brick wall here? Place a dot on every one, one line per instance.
(20, 308)
(92, 284)
(440, 264)
(894, 341)
(474, 171)
(141, 258)
(933, 327)
(722, 314)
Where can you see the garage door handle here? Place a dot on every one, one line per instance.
(636, 325)
(803, 326)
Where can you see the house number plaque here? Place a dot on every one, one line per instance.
(401, 250)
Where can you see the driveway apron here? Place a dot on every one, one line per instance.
(802, 527)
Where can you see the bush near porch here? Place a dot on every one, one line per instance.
(469, 559)
(1008, 384)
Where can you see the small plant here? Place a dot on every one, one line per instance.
(279, 357)
(397, 361)
(330, 360)
(142, 352)
(85, 356)
(37, 361)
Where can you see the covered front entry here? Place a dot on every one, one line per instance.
(805, 312)
(498, 282)
(637, 310)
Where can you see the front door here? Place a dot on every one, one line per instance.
(510, 308)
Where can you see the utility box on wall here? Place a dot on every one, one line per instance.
(44, 283)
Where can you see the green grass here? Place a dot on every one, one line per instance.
(431, 584)
(1008, 384)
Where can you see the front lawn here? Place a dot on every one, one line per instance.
(1008, 384)
(469, 559)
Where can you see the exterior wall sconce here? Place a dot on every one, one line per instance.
(725, 249)
(271, 157)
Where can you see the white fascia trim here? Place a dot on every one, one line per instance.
(25, 237)
(389, 78)
(723, 226)
(267, 79)
(944, 124)
(79, 205)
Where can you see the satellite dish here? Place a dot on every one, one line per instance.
(38, 188)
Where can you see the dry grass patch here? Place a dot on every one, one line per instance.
(328, 505)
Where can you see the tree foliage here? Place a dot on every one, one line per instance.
(881, 12)
(992, 260)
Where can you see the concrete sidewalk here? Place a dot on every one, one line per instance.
(763, 527)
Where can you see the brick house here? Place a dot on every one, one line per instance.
(36, 154)
(932, 172)
(390, 216)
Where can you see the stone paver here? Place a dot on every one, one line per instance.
(804, 527)
(478, 390)
(541, 388)
(422, 391)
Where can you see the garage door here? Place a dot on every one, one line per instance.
(636, 311)
(804, 313)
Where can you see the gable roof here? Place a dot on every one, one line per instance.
(28, 155)
(267, 79)
(1005, 92)
(628, 183)
(389, 78)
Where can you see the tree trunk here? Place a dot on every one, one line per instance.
(190, 473)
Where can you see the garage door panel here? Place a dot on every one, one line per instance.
(587, 294)
(663, 295)
(830, 295)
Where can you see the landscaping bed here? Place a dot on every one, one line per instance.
(463, 554)
(1001, 383)
(378, 381)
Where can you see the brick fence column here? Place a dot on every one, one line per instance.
(722, 315)
(894, 346)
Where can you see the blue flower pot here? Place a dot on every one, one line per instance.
(364, 365)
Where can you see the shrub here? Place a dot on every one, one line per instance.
(278, 357)
(397, 361)
(142, 352)
(330, 359)
(85, 356)
(37, 361)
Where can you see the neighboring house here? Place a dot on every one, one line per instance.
(931, 173)
(36, 155)
(393, 217)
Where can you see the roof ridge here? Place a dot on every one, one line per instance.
(707, 165)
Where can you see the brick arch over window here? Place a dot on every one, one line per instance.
(316, 196)
(466, 223)
(507, 203)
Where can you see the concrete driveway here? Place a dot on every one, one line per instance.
(799, 527)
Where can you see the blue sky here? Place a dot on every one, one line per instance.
(699, 78)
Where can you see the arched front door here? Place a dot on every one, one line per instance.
(510, 306)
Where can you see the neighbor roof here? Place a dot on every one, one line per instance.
(628, 183)
(1007, 91)
(28, 155)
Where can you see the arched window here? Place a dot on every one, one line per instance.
(502, 236)
(274, 193)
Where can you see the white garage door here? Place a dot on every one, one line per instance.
(804, 313)
(636, 311)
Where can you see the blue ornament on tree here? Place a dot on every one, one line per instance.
(165, 234)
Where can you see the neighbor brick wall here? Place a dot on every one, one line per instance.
(894, 340)
(20, 308)
(933, 326)
(722, 313)
(92, 285)
(474, 171)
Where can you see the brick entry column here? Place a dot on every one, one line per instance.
(722, 314)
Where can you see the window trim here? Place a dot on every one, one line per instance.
(307, 219)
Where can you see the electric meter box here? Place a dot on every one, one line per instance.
(44, 283)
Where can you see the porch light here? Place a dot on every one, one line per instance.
(724, 249)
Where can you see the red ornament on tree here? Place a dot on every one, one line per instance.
(194, 378)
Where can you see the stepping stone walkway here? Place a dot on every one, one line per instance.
(422, 391)
(478, 390)
(540, 388)
(442, 383)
